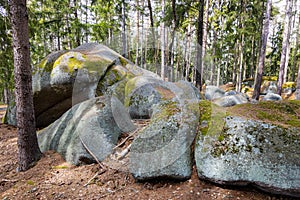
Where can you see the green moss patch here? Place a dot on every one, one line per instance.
(283, 113)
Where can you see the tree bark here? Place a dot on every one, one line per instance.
(124, 49)
(294, 64)
(29, 151)
(297, 93)
(199, 62)
(162, 71)
(285, 41)
(262, 53)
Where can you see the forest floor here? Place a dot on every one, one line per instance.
(53, 178)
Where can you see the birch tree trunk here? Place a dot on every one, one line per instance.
(262, 53)
(29, 151)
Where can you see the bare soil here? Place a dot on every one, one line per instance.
(53, 178)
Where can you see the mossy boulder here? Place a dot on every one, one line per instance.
(66, 78)
(95, 124)
(163, 149)
(234, 147)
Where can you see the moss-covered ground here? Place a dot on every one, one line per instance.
(284, 113)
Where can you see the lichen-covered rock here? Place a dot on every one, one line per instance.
(10, 114)
(163, 148)
(95, 124)
(272, 97)
(239, 151)
(142, 92)
(66, 78)
(213, 92)
(231, 100)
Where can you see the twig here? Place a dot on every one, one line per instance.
(129, 136)
(6, 180)
(93, 155)
(123, 153)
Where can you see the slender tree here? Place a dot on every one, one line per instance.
(162, 71)
(262, 53)
(285, 44)
(294, 64)
(297, 93)
(199, 46)
(29, 151)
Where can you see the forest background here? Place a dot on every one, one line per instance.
(162, 36)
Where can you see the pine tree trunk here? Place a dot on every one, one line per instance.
(199, 62)
(285, 41)
(29, 151)
(162, 71)
(124, 43)
(297, 93)
(138, 32)
(294, 64)
(262, 53)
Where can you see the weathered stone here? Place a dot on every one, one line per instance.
(231, 100)
(163, 148)
(243, 151)
(94, 124)
(213, 92)
(272, 97)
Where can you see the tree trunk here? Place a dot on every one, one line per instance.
(138, 32)
(204, 40)
(124, 43)
(162, 71)
(29, 151)
(297, 93)
(285, 41)
(262, 53)
(199, 62)
(294, 64)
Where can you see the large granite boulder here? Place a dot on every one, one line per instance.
(163, 148)
(95, 124)
(234, 150)
(213, 92)
(272, 97)
(65, 78)
(231, 100)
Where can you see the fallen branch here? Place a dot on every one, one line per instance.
(123, 153)
(7, 180)
(97, 174)
(93, 155)
(129, 136)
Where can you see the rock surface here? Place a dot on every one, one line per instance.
(95, 124)
(272, 97)
(163, 149)
(242, 151)
(231, 100)
(213, 92)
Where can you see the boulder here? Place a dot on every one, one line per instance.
(163, 148)
(213, 92)
(232, 150)
(141, 93)
(65, 78)
(95, 124)
(231, 100)
(272, 97)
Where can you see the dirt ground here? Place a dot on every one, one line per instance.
(53, 178)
